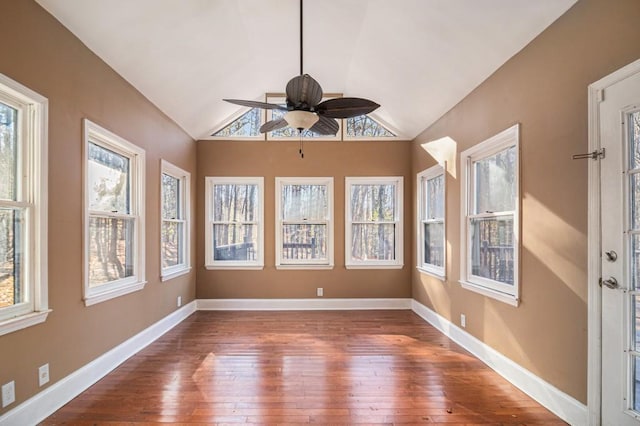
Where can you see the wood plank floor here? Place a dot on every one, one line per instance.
(329, 367)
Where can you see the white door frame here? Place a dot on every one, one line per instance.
(594, 372)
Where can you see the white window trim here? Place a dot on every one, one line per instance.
(421, 179)
(35, 109)
(320, 264)
(210, 263)
(499, 291)
(184, 178)
(398, 263)
(98, 135)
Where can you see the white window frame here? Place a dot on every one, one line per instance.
(184, 217)
(304, 264)
(210, 263)
(32, 198)
(93, 133)
(398, 262)
(421, 185)
(506, 293)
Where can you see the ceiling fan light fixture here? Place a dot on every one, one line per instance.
(301, 119)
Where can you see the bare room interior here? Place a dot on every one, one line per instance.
(330, 212)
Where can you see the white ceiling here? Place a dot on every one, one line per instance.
(417, 58)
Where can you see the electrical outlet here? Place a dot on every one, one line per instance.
(179, 301)
(463, 320)
(43, 375)
(8, 393)
(320, 292)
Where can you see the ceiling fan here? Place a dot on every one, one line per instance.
(304, 106)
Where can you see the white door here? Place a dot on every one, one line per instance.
(620, 246)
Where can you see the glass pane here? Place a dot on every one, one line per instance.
(635, 261)
(492, 248)
(636, 382)
(373, 242)
(110, 249)
(109, 186)
(246, 126)
(373, 203)
(170, 197)
(11, 257)
(235, 203)
(304, 242)
(634, 140)
(435, 198)
(365, 126)
(305, 202)
(495, 182)
(8, 152)
(635, 325)
(235, 242)
(434, 243)
(172, 244)
(634, 188)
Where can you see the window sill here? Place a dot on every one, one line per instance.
(302, 267)
(509, 299)
(234, 267)
(374, 266)
(111, 294)
(23, 321)
(441, 277)
(174, 274)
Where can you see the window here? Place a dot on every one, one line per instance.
(247, 126)
(235, 231)
(174, 234)
(304, 223)
(114, 208)
(490, 201)
(431, 221)
(365, 127)
(23, 207)
(373, 234)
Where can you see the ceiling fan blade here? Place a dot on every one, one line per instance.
(303, 92)
(272, 125)
(255, 104)
(346, 107)
(325, 126)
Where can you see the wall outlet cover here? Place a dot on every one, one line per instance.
(8, 393)
(43, 375)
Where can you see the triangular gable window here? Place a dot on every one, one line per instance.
(246, 126)
(364, 126)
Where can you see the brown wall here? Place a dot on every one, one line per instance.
(544, 88)
(41, 54)
(280, 159)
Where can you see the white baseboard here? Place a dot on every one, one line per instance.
(43, 404)
(564, 406)
(300, 304)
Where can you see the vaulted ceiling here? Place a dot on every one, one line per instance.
(417, 58)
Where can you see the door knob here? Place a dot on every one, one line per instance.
(611, 283)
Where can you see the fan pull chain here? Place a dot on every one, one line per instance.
(301, 148)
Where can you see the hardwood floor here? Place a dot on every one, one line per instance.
(328, 367)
